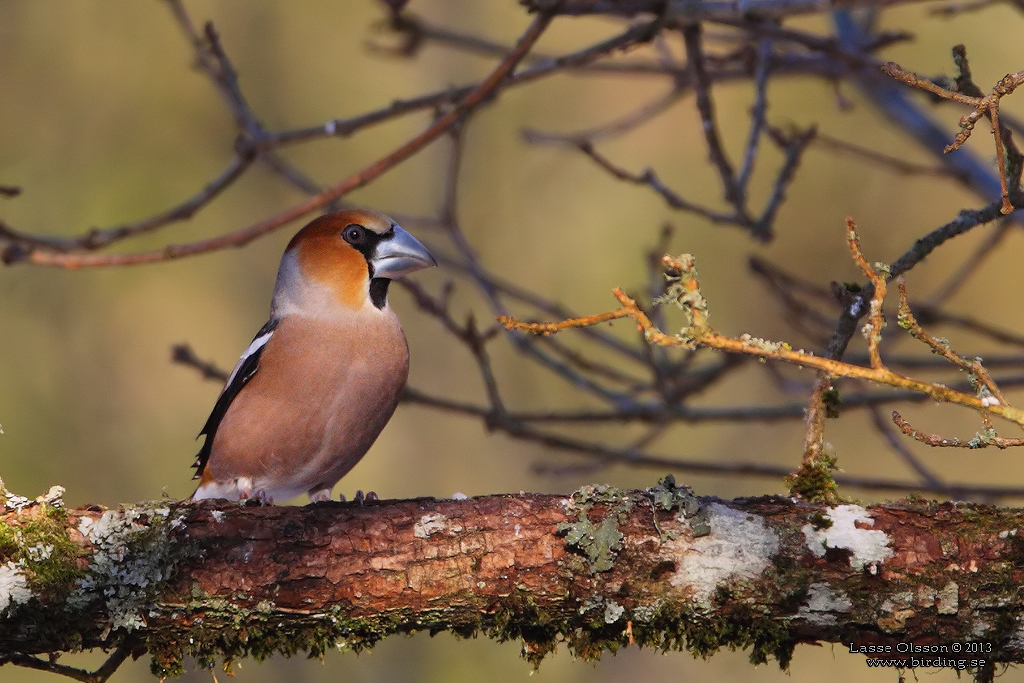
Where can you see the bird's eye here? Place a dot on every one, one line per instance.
(354, 235)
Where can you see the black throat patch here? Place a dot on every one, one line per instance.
(379, 291)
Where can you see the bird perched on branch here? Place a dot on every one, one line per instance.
(316, 386)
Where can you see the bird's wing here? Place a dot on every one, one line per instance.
(244, 371)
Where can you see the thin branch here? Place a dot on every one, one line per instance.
(243, 236)
(699, 335)
(184, 355)
(873, 331)
(706, 109)
(97, 239)
(646, 178)
(708, 10)
(900, 446)
(635, 34)
(624, 124)
(567, 370)
(651, 412)
(953, 8)
(912, 79)
(893, 163)
(846, 327)
(257, 141)
(635, 458)
(980, 440)
(763, 51)
(100, 675)
(794, 146)
(500, 286)
(972, 263)
(801, 316)
(983, 106)
(213, 60)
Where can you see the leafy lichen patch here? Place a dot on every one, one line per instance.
(896, 609)
(740, 546)
(14, 588)
(132, 557)
(612, 612)
(667, 495)
(949, 598)
(824, 605)
(434, 523)
(599, 541)
(868, 547)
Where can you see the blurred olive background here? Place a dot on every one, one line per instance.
(104, 121)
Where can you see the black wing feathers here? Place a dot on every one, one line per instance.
(240, 376)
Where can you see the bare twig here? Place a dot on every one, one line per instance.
(243, 236)
(705, 107)
(710, 10)
(896, 164)
(983, 106)
(698, 334)
(634, 119)
(183, 354)
(758, 112)
(952, 8)
(873, 331)
(100, 675)
(794, 147)
(973, 262)
(213, 60)
(900, 446)
(846, 327)
(980, 440)
(635, 34)
(814, 432)
(97, 239)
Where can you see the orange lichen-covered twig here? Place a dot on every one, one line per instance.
(551, 328)
(980, 440)
(984, 385)
(876, 321)
(685, 292)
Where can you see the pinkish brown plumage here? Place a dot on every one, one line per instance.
(321, 379)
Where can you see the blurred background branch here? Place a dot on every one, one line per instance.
(546, 159)
(657, 390)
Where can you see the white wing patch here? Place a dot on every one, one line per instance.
(257, 344)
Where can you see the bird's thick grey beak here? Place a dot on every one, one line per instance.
(400, 255)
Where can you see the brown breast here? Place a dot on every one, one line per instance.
(322, 395)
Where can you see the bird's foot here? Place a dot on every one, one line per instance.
(248, 496)
(370, 495)
(244, 486)
(320, 496)
(263, 497)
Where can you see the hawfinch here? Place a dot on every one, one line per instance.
(321, 379)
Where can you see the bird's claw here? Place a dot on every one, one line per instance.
(361, 499)
(259, 497)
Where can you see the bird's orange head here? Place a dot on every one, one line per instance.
(353, 254)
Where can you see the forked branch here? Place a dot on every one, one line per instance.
(684, 291)
(984, 105)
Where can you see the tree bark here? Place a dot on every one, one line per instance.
(597, 570)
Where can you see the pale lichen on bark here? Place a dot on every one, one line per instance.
(867, 547)
(670, 570)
